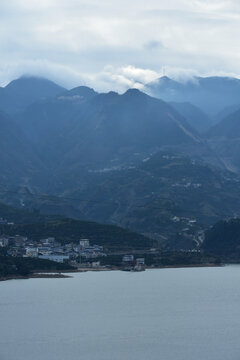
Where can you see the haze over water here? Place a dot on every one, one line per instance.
(168, 314)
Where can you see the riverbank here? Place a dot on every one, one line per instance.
(185, 266)
(120, 268)
(65, 273)
(35, 276)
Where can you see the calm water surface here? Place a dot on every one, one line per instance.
(170, 314)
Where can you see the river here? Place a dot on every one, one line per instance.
(164, 314)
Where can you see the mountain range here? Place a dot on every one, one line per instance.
(131, 159)
(105, 130)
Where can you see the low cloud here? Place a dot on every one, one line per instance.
(121, 78)
(119, 44)
(109, 78)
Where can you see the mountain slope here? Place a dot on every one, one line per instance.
(82, 129)
(225, 112)
(224, 139)
(117, 126)
(194, 116)
(65, 230)
(224, 239)
(229, 127)
(19, 163)
(168, 197)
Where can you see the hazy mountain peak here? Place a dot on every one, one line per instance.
(134, 93)
(112, 93)
(105, 97)
(166, 79)
(83, 91)
(22, 92)
(31, 81)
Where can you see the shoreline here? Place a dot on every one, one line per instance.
(62, 274)
(185, 266)
(48, 275)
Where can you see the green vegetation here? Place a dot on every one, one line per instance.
(69, 230)
(223, 239)
(169, 258)
(144, 199)
(22, 216)
(37, 226)
(178, 258)
(147, 197)
(11, 267)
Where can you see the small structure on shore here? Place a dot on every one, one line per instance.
(140, 264)
(129, 264)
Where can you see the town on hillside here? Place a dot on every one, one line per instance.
(80, 255)
(50, 249)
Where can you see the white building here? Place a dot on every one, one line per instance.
(3, 241)
(32, 252)
(95, 264)
(84, 243)
(48, 241)
(128, 258)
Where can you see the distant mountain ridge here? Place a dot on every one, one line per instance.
(211, 94)
(105, 130)
(79, 130)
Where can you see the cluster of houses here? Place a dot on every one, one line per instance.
(187, 184)
(50, 249)
(185, 220)
(5, 222)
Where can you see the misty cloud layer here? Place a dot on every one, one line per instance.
(116, 45)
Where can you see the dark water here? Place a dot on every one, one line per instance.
(170, 314)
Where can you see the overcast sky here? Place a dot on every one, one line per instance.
(110, 44)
